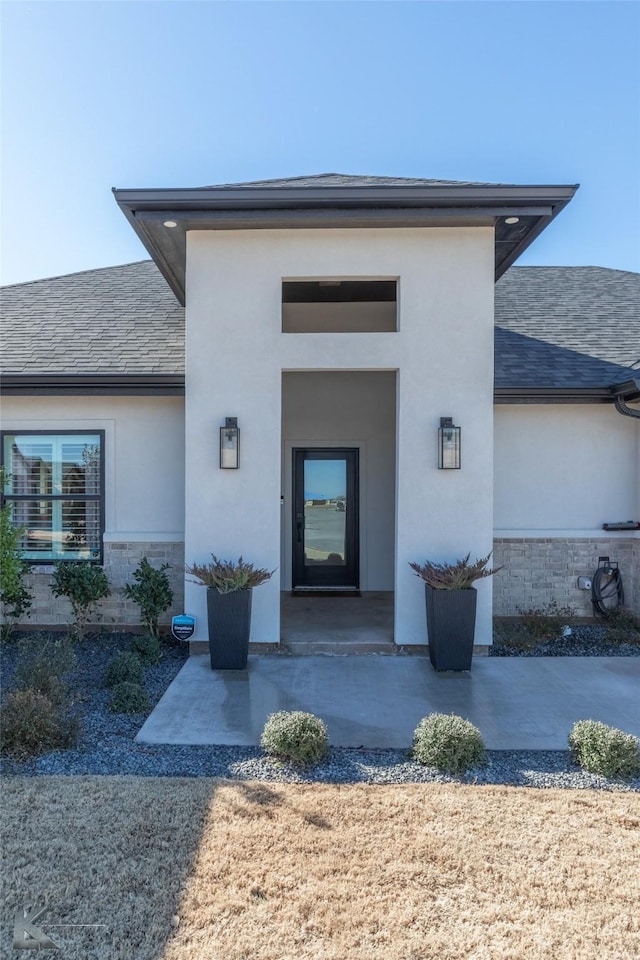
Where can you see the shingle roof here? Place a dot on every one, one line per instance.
(555, 326)
(351, 180)
(121, 319)
(566, 326)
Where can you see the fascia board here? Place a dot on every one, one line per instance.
(518, 394)
(106, 384)
(250, 197)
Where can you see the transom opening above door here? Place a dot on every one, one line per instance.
(332, 305)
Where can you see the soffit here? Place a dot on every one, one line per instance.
(334, 200)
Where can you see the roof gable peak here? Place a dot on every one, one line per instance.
(345, 180)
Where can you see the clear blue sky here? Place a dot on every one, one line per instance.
(176, 94)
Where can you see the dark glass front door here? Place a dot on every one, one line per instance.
(325, 518)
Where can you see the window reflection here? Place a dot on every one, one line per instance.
(325, 512)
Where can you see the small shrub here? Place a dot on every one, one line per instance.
(124, 667)
(30, 724)
(84, 585)
(599, 748)
(545, 623)
(128, 697)
(447, 742)
(622, 626)
(512, 635)
(15, 598)
(297, 736)
(151, 592)
(42, 666)
(147, 648)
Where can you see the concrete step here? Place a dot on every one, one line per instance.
(300, 648)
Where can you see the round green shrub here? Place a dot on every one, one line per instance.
(31, 724)
(599, 748)
(147, 648)
(125, 667)
(447, 742)
(128, 697)
(297, 736)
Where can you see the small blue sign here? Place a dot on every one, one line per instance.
(183, 626)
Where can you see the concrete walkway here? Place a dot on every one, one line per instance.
(518, 703)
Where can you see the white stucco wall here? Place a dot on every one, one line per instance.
(443, 352)
(144, 456)
(351, 410)
(339, 317)
(564, 470)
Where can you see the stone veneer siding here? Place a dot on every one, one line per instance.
(538, 571)
(120, 561)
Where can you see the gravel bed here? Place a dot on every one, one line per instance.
(585, 640)
(106, 745)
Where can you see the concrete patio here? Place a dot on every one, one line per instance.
(374, 701)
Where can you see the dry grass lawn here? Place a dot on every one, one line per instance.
(191, 869)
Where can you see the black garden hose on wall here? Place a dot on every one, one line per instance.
(607, 591)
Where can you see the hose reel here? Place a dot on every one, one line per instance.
(607, 591)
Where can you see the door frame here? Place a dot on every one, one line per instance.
(286, 543)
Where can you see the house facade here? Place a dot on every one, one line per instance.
(282, 383)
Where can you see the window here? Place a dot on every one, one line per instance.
(56, 492)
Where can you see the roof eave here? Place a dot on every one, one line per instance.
(220, 208)
(147, 384)
(541, 394)
(102, 384)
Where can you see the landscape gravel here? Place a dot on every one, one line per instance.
(107, 746)
(585, 640)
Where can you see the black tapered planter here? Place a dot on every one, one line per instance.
(451, 624)
(229, 616)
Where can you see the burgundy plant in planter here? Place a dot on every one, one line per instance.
(451, 609)
(229, 586)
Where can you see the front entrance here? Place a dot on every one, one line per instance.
(325, 519)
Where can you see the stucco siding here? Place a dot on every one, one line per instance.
(561, 471)
(236, 353)
(144, 489)
(144, 454)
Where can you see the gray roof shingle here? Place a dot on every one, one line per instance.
(351, 180)
(555, 326)
(566, 327)
(122, 320)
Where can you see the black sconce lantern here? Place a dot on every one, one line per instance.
(448, 445)
(230, 444)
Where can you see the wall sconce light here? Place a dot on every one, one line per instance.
(230, 444)
(448, 445)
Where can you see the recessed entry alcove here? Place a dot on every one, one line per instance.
(339, 306)
(338, 512)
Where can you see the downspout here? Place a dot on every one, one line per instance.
(629, 390)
